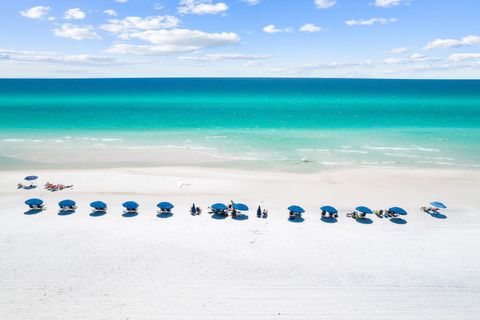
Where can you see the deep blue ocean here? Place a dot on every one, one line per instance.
(279, 122)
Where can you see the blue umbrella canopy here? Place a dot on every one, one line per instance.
(363, 209)
(329, 209)
(165, 205)
(438, 204)
(398, 210)
(98, 205)
(219, 206)
(66, 203)
(296, 209)
(130, 205)
(34, 202)
(31, 178)
(240, 207)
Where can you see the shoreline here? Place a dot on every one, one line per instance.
(412, 187)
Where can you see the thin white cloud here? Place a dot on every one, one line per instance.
(310, 27)
(201, 7)
(214, 57)
(74, 14)
(121, 1)
(393, 60)
(416, 57)
(271, 29)
(457, 57)
(37, 12)
(251, 2)
(253, 64)
(75, 32)
(173, 41)
(110, 12)
(467, 41)
(324, 4)
(130, 24)
(158, 6)
(390, 3)
(55, 57)
(399, 50)
(369, 22)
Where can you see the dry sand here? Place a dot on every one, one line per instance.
(184, 267)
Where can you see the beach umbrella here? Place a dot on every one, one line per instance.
(329, 209)
(438, 204)
(219, 206)
(240, 206)
(34, 202)
(259, 211)
(165, 205)
(130, 205)
(193, 208)
(296, 209)
(66, 203)
(98, 205)
(363, 209)
(31, 178)
(398, 210)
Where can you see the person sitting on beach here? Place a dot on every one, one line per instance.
(264, 214)
(198, 210)
(292, 215)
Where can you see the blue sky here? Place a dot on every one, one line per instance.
(244, 38)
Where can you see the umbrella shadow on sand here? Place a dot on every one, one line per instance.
(98, 213)
(438, 215)
(32, 212)
(65, 212)
(398, 221)
(129, 214)
(364, 221)
(165, 215)
(217, 216)
(297, 220)
(240, 217)
(329, 219)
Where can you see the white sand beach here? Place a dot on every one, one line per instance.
(196, 267)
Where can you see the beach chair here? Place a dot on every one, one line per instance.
(40, 207)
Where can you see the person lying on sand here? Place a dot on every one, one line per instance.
(55, 187)
(391, 214)
(378, 213)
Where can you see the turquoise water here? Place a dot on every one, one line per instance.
(280, 122)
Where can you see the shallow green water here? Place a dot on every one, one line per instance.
(322, 122)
